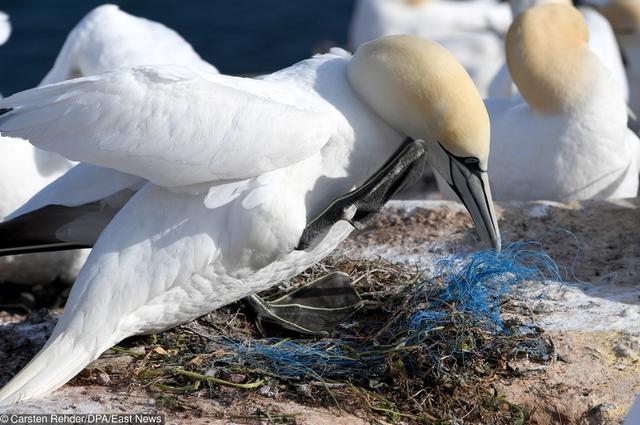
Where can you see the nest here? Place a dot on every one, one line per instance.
(422, 350)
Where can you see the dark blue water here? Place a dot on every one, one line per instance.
(237, 36)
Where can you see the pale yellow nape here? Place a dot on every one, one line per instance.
(422, 91)
(623, 15)
(549, 58)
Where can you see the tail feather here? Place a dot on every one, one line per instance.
(54, 228)
(58, 361)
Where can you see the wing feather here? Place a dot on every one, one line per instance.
(81, 185)
(171, 126)
(70, 212)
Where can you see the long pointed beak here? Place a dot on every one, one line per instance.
(471, 184)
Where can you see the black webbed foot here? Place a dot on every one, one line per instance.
(315, 308)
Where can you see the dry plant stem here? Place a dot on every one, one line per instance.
(205, 378)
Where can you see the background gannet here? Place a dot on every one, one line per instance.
(471, 30)
(602, 43)
(213, 179)
(108, 38)
(567, 138)
(5, 28)
(104, 40)
(624, 16)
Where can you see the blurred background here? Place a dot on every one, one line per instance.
(237, 36)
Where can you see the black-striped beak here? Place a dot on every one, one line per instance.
(471, 184)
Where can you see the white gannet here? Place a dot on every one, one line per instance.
(105, 39)
(5, 27)
(602, 43)
(471, 30)
(108, 38)
(202, 189)
(566, 138)
(624, 16)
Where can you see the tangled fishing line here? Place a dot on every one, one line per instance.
(420, 350)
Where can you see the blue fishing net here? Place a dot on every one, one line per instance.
(438, 323)
(475, 283)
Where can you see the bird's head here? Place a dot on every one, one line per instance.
(549, 58)
(422, 91)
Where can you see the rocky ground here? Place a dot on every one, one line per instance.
(591, 317)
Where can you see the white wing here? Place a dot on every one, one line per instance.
(108, 38)
(73, 210)
(171, 125)
(83, 184)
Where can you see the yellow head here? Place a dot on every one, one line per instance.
(420, 89)
(623, 15)
(549, 58)
(417, 87)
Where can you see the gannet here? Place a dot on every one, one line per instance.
(471, 30)
(602, 43)
(5, 27)
(566, 138)
(624, 16)
(197, 189)
(108, 38)
(105, 39)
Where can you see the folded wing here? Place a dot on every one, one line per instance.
(69, 213)
(170, 125)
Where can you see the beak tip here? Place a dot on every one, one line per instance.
(493, 242)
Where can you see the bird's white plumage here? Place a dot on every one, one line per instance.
(589, 155)
(82, 184)
(579, 146)
(170, 255)
(5, 27)
(602, 43)
(471, 31)
(106, 39)
(196, 138)
(20, 177)
(501, 84)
